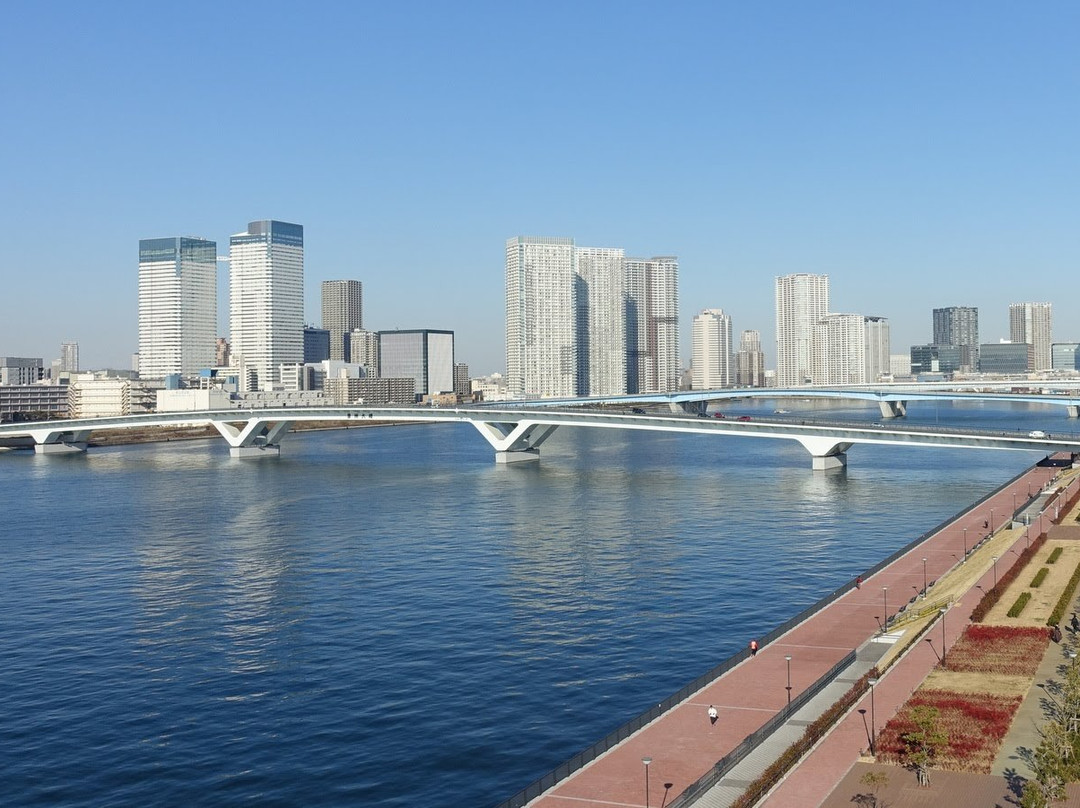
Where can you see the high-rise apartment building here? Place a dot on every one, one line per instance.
(541, 318)
(750, 361)
(21, 370)
(422, 354)
(839, 355)
(266, 301)
(364, 350)
(801, 300)
(177, 306)
(1033, 323)
(342, 313)
(878, 347)
(959, 326)
(652, 324)
(711, 351)
(588, 320)
(69, 357)
(601, 321)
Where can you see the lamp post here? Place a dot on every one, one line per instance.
(885, 597)
(965, 544)
(991, 521)
(788, 659)
(943, 665)
(924, 579)
(873, 717)
(646, 761)
(995, 570)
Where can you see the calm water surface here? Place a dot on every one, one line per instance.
(384, 617)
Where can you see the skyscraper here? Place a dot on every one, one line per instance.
(801, 300)
(601, 326)
(711, 355)
(652, 324)
(750, 361)
(588, 320)
(1033, 323)
(959, 326)
(266, 300)
(342, 312)
(541, 317)
(177, 306)
(839, 355)
(69, 357)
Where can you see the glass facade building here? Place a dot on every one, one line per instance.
(1006, 358)
(424, 355)
(1065, 355)
(959, 326)
(177, 306)
(266, 301)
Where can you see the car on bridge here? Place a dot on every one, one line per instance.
(718, 415)
(744, 418)
(1037, 433)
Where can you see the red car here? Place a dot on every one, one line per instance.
(718, 415)
(744, 417)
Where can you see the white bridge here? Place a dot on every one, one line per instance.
(517, 432)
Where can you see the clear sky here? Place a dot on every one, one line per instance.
(922, 154)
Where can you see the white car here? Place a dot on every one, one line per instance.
(1038, 433)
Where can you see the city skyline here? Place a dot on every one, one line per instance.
(890, 148)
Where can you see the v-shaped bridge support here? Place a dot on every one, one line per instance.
(514, 442)
(258, 437)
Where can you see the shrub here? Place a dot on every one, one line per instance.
(1040, 576)
(994, 593)
(1054, 555)
(1011, 650)
(1065, 599)
(1021, 602)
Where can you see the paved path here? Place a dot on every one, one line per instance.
(683, 745)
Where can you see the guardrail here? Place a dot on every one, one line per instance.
(751, 741)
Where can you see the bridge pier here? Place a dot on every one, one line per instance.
(826, 453)
(63, 442)
(893, 409)
(258, 438)
(1072, 410)
(515, 442)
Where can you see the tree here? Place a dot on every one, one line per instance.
(1050, 766)
(924, 741)
(874, 782)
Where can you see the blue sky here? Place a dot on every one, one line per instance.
(922, 154)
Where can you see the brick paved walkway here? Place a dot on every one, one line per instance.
(682, 745)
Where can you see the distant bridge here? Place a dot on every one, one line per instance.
(892, 399)
(516, 433)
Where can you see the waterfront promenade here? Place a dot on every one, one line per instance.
(683, 744)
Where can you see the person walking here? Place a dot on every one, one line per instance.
(753, 648)
(713, 715)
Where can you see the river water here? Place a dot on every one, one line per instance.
(384, 617)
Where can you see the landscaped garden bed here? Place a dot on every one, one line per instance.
(998, 649)
(974, 723)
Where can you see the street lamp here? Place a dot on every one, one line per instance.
(873, 717)
(943, 665)
(885, 596)
(924, 579)
(991, 521)
(788, 658)
(646, 761)
(995, 570)
(965, 544)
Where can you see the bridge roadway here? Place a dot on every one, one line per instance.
(892, 399)
(516, 433)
